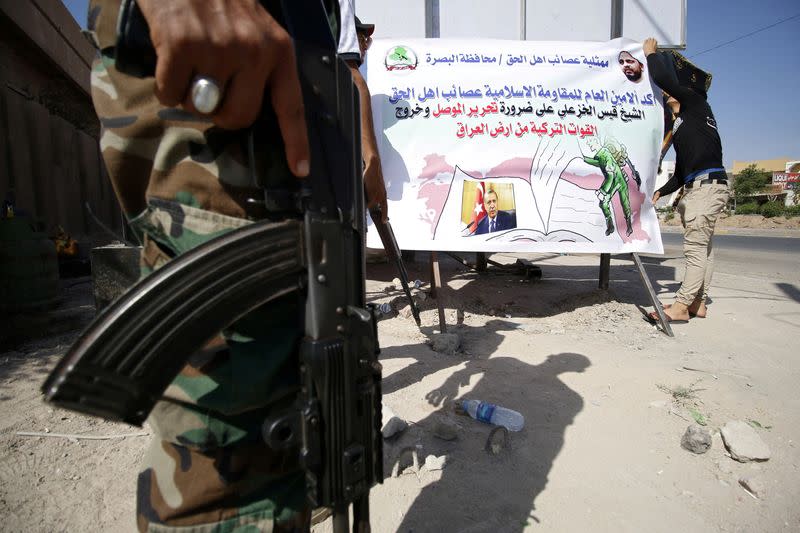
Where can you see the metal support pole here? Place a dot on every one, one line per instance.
(605, 270)
(616, 18)
(437, 291)
(616, 31)
(481, 262)
(432, 18)
(653, 298)
(523, 20)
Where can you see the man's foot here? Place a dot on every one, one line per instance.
(609, 227)
(696, 310)
(675, 312)
(629, 229)
(700, 310)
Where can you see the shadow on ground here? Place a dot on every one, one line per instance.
(478, 490)
(563, 288)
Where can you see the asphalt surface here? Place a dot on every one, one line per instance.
(760, 256)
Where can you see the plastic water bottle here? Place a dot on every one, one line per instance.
(494, 414)
(385, 308)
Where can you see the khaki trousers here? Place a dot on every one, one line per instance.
(699, 209)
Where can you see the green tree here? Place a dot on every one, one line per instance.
(750, 181)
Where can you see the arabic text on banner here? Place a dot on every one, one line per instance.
(493, 146)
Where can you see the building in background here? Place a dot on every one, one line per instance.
(770, 165)
(52, 171)
(785, 174)
(788, 181)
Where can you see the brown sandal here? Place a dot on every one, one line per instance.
(691, 314)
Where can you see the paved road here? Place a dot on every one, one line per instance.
(773, 257)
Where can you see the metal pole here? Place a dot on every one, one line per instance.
(616, 31)
(438, 290)
(605, 270)
(481, 262)
(616, 18)
(431, 18)
(523, 20)
(662, 317)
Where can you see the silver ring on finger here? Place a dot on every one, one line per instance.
(205, 94)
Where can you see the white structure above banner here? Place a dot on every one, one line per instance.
(532, 20)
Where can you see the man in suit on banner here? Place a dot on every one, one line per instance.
(495, 220)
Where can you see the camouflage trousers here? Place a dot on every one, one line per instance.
(208, 469)
(183, 181)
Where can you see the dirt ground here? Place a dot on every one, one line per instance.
(745, 221)
(606, 399)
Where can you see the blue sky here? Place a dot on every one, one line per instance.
(756, 78)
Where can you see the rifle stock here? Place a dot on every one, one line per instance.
(125, 359)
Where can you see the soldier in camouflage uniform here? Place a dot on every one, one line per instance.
(175, 174)
(615, 182)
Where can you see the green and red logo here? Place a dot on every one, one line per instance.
(400, 58)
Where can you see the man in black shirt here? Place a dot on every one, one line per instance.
(698, 169)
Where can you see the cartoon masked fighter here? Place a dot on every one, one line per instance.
(611, 158)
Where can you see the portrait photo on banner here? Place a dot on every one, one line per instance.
(487, 207)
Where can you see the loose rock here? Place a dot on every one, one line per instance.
(392, 424)
(446, 430)
(445, 342)
(697, 439)
(743, 443)
(406, 312)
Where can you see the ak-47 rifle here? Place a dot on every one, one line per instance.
(310, 244)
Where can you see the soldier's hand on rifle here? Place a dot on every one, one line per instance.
(650, 46)
(238, 45)
(375, 187)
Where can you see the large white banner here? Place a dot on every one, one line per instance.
(491, 145)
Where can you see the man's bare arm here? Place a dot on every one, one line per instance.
(373, 172)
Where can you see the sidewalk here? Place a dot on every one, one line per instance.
(745, 232)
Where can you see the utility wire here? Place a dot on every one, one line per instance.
(746, 35)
